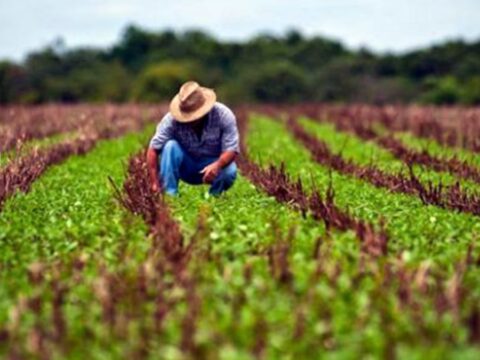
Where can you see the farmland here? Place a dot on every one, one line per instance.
(351, 231)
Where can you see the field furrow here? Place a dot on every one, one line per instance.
(275, 182)
(437, 150)
(171, 290)
(283, 265)
(19, 174)
(292, 259)
(365, 151)
(270, 142)
(69, 208)
(25, 148)
(410, 156)
(452, 197)
(456, 127)
(20, 124)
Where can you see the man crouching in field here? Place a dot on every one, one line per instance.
(197, 142)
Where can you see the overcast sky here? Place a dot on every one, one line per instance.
(381, 25)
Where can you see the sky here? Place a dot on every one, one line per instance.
(380, 25)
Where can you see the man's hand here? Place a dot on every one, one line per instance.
(210, 172)
(155, 187)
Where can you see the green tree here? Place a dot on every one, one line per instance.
(149, 66)
(134, 47)
(471, 93)
(279, 81)
(442, 91)
(337, 81)
(160, 81)
(14, 85)
(315, 53)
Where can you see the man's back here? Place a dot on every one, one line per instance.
(219, 134)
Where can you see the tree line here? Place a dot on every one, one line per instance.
(149, 66)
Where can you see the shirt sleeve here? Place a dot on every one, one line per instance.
(230, 137)
(163, 133)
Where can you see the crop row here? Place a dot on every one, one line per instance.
(21, 172)
(68, 209)
(366, 130)
(454, 126)
(26, 147)
(66, 231)
(450, 197)
(242, 276)
(24, 123)
(19, 175)
(151, 294)
(453, 164)
(275, 182)
(270, 142)
(185, 299)
(66, 212)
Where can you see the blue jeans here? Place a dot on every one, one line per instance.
(176, 164)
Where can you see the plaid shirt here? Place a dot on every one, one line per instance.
(219, 134)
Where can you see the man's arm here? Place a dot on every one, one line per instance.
(226, 158)
(163, 133)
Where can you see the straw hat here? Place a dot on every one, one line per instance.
(192, 102)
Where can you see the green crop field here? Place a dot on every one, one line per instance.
(350, 232)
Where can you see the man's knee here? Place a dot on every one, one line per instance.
(171, 146)
(229, 173)
(171, 155)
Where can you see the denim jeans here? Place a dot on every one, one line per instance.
(176, 164)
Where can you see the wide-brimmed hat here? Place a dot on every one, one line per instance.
(192, 102)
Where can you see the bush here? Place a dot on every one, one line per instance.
(278, 82)
(471, 93)
(13, 82)
(442, 91)
(160, 81)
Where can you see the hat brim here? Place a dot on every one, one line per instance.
(181, 116)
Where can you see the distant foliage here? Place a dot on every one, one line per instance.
(159, 81)
(149, 66)
(279, 82)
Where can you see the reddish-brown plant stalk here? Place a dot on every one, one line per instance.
(449, 197)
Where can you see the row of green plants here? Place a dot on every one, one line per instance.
(259, 281)
(437, 149)
(369, 153)
(274, 300)
(68, 229)
(449, 194)
(420, 231)
(68, 210)
(24, 148)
